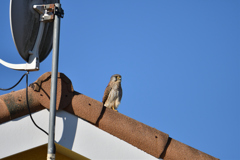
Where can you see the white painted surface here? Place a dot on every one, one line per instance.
(71, 132)
(20, 134)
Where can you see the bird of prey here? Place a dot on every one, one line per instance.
(113, 92)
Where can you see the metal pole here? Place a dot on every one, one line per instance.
(56, 32)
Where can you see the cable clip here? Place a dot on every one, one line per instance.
(59, 12)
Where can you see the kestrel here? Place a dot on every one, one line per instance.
(113, 92)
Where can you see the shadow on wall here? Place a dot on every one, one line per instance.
(69, 129)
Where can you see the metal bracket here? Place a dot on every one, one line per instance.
(47, 12)
(59, 12)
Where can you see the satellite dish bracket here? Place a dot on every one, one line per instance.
(46, 12)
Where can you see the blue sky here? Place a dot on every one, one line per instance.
(179, 62)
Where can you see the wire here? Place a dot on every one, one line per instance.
(26, 74)
(29, 107)
(15, 84)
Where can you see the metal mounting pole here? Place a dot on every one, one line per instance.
(55, 53)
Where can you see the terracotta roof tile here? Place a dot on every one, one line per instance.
(144, 137)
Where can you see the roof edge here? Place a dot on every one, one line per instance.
(144, 137)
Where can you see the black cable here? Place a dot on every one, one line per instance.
(29, 107)
(26, 74)
(15, 84)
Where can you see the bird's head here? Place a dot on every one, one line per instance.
(116, 78)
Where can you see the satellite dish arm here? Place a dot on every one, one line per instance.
(19, 67)
(33, 60)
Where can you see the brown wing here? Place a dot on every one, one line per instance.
(120, 94)
(106, 93)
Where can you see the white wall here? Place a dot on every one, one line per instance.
(71, 132)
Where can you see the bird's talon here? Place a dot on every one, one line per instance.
(114, 109)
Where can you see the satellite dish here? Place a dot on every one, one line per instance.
(32, 35)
